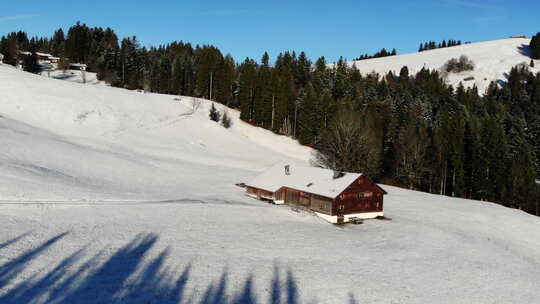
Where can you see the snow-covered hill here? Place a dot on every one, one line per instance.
(114, 196)
(109, 142)
(492, 59)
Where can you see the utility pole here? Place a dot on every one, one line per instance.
(273, 110)
(211, 84)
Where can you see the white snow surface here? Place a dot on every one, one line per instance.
(309, 179)
(74, 76)
(114, 196)
(493, 61)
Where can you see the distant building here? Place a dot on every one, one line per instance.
(518, 36)
(78, 66)
(335, 197)
(43, 56)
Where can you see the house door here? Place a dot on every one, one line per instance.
(341, 214)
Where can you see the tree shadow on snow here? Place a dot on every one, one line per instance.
(525, 50)
(64, 76)
(14, 240)
(127, 276)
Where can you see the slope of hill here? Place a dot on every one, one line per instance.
(121, 142)
(113, 196)
(492, 59)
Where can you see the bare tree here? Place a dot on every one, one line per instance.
(344, 146)
(411, 148)
(194, 105)
(63, 64)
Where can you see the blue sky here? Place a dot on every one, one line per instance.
(320, 28)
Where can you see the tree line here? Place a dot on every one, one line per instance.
(432, 45)
(401, 129)
(382, 53)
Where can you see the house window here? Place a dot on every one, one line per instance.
(365, 195)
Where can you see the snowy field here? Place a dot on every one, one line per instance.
(493, 61)
(114, 196)
(73, 76)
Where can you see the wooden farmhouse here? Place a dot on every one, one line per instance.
(335, 197)
(43, 56)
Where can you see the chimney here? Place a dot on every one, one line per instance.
(338, 174)
(287, 170)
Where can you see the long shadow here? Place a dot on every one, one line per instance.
(14, 240)
(11, 269)
(130, 275)
(525, 50)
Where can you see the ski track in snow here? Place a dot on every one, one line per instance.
(113, 196)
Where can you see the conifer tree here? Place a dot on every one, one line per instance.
(247, 89)
(307, 118)
(225, 120)
(30, 64)
(535, 46)
(58, 43)
(404, 75)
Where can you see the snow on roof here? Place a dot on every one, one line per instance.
(77, 64)
(43, 54)
(25, 53)
(308, 179)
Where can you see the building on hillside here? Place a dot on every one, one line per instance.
(53, 59)
(78, 66)
(335, 197)
(43, 56)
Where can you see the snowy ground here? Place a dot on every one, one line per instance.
(73, 76)
(493, 61)
(113, 196)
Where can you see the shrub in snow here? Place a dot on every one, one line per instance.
(214, 114)
(459, 65)
(225, 120)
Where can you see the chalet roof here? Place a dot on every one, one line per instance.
(43, 54)
(308, 179)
